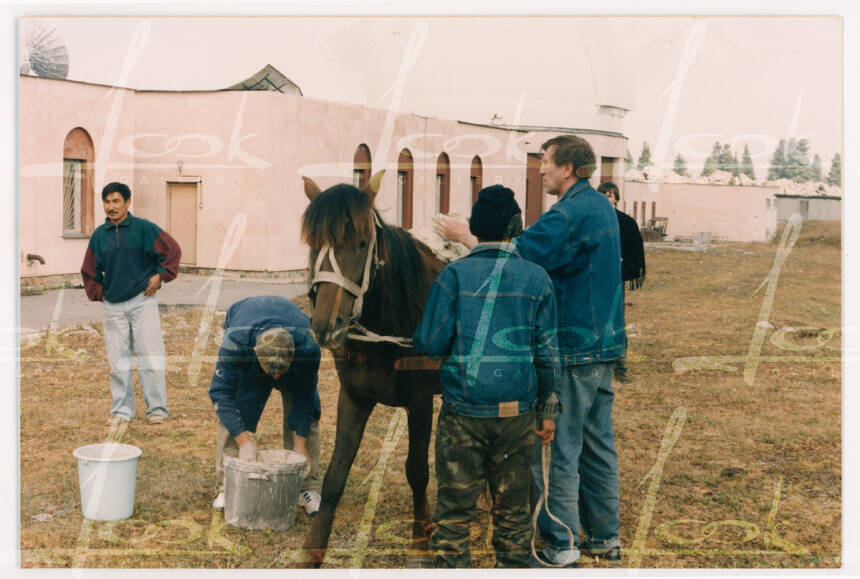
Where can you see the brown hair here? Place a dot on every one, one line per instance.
(609, 187)
(574, 150)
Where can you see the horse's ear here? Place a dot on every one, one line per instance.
(372, 187)
(311, 188)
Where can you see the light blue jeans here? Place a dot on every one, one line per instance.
(583, 475)
(134, 326)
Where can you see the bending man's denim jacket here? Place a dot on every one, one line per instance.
(492, 315)
(577, 242)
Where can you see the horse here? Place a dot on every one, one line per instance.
(368, 276)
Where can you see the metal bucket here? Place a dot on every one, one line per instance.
(262, 494)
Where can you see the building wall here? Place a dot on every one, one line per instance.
(813, 210)
(246, 153)
(49, 110)
(730, 213)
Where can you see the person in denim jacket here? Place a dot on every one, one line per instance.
(492, 315)
(577, 242)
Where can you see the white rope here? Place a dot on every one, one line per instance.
(366, 335)
(544, 499)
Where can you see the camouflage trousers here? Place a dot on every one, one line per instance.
(471, 452)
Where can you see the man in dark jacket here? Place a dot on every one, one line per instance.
(632, 256)
(126, 260)
(492, 315)
(267, 344)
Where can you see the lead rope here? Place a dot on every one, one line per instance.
(544, 499)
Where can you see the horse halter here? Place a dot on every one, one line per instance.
(371, 264)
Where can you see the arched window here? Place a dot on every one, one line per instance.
(404, 189)
(443, 184)
(476, 177)
(78, 159)
(361, 166)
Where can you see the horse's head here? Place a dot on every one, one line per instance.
(340, 226)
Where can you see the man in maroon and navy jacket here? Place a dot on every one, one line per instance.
(125, 263)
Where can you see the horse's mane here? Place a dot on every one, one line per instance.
(397, 294)
(339, 215)
(394, 302)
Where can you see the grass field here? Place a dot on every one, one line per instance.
(728, 431)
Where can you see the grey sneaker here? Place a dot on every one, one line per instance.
(549, 558)
(610, 550)
(116, 420)
(156, 418)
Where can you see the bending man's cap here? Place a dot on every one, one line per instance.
(275, 349)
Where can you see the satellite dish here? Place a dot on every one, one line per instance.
(44, 51)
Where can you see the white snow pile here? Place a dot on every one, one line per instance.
(810, 189)
(654, 174)
(444, 249)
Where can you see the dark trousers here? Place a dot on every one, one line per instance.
(470, 453)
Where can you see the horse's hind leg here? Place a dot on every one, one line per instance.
(418, 474)
(352, 415)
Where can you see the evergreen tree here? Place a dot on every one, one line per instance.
(815, 173)
(797, 160)
(736, 166)
(747, 164)
(644, 156)
(713, 160)
(681, 166)
(834, 177)
(628, 160)
(777, 162)
(725, 159)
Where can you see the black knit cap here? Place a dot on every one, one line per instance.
(496, 214)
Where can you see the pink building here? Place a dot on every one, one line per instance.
(704, 212)
(221, 170)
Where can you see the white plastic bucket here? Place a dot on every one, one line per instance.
(107, 473)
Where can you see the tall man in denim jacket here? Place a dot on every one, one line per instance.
(492, 314)
(577, 242)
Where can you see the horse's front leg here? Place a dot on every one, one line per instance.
(420, 413)
(352, 415)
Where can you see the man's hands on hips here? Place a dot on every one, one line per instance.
(547, 430)
(152, 286)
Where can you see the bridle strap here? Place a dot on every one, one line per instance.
(336, 275)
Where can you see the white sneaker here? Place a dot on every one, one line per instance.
(218, 503)
(310, 502)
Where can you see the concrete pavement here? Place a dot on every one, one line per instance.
(71, 306)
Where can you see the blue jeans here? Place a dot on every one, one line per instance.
(135, 326)
(583, 476)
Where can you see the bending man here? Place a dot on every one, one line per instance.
(267, 344)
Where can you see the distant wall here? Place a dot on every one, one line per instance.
(724, 212)
(810, 208)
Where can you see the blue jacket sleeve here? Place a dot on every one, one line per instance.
(547, 356)
(435, 334)
(302, 386)
(546, 242)
(222, 390)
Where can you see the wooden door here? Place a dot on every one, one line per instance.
(183, 219)
(534, 189)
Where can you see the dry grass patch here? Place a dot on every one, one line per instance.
(752, 478)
